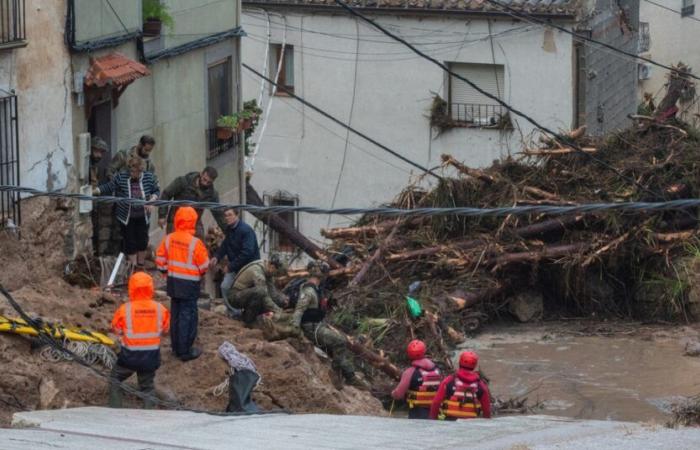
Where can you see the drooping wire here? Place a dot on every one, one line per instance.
(562, 139)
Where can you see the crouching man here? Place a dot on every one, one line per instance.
(253, 292)
(139, 323)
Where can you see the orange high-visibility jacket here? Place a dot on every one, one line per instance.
(183, 256)
(141, 321)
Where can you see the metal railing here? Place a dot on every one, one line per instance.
(216, 146)
(12, 25)
(477, 114)
(9, 162)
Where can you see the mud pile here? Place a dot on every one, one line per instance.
(293, 375)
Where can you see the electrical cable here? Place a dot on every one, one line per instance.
(562, 139)
(344, 125)
(66, 353)
(681, 204)
(523, 15)
(347, 132)
(333, 133)
(672, 10)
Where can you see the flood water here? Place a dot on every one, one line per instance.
(633, 375)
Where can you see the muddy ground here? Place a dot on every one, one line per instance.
(293, 375)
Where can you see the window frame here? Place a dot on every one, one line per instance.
(282, 79)
(281, 198)
(215, 146)
(494, 106)
(687, 8)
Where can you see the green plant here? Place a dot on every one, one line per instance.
(252, 106)
(230, 121)
(154, 9)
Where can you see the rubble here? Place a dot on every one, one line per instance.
(294, 377)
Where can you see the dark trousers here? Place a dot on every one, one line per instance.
(146, 385)
(183, 328)
(419, 413)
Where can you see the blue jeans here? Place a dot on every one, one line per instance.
(183, 328)
(227, 284)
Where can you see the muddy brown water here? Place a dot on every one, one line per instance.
(633, 375)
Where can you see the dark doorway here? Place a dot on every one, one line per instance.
(100, 124)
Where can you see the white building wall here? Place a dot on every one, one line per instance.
(673, 39)
(302, 152)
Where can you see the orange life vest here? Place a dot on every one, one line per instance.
(183, 256)
(461, 400)
(423, 387)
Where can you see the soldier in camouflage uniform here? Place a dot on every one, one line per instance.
(307, 318)
(102, 216)
(254, 292)
(143, 150)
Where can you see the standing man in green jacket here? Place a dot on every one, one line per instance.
(195, 186)
(143, 150)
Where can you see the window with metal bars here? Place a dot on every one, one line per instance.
(12, 28)
(9, 162)
(469, 106)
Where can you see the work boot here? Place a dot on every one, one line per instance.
(115, 396)
(149, 402)
(193, 354)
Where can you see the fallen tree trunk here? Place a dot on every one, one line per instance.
(376, 256)
(475, 173)
(380, 362)
(548, 252)
(556, 151)
(548, 226)
(279, 225)
(366, 231)
(345, 271)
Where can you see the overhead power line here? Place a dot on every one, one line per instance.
(682, 204)
(672, 10)
(343, 124)
(523, 15)
(563, 139)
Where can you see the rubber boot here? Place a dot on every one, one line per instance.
(115, 396)
(149, 402)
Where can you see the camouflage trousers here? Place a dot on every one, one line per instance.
(253, 301)
(333, 343)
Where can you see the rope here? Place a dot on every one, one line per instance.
(386, 211)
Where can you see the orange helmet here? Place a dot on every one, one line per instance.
(415, 349)
(468, 360)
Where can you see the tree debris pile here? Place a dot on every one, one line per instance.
(614, 264)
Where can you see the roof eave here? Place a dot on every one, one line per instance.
(566, 16)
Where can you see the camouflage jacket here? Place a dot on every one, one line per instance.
(121, 158)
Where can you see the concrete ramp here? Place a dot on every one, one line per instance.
(107, 429)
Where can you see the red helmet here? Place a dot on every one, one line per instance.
(468, 360)
(415, 349)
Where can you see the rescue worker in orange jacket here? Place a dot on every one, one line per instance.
(185, 259)
(418, 383)
(139, 323)
(463, 395)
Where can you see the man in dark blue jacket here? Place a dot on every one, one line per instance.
(240, 247)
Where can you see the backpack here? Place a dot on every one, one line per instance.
(292, 290)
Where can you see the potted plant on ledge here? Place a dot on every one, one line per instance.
(155, 15)
(225, 127)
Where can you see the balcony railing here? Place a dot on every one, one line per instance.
(216, 146)
(12, 27)
(472, 114)
(9, 162)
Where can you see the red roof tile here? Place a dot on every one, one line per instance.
(114, 69)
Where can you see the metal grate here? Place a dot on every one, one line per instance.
(644, 38)
(9, 162)
(477, 114)
(216, 146)
(12, 28)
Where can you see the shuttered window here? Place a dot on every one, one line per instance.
(469, 105)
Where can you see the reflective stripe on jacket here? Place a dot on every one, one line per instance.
(144, 322)
(183, 256)
(424, 386)
(462, 400)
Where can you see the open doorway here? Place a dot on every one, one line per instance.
(100, 124)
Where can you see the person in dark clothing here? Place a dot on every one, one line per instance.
(240, 246)
(194, 186)
(135, 219)
(102, 216)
